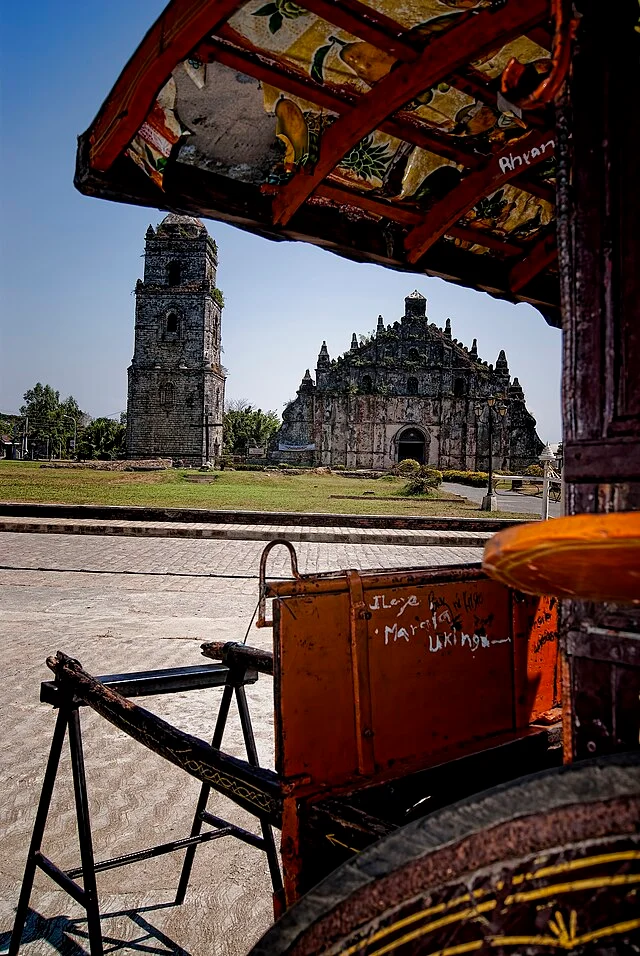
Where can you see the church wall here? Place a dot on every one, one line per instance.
(409, 374)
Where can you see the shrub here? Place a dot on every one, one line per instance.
(249, 467)
(432, 475)
(477, 479)
(418, 486)
(406, 467)
(338, 467)
(534, 471)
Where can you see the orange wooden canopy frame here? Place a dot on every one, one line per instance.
(384, 141)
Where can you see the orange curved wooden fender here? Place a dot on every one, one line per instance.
(589, 557)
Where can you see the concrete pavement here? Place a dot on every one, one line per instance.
(122, 604)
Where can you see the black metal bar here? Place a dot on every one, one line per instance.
(84, 834)
(38, 830)
(239, 656)
(246, 836)
(63, 879)
(252, 757)
(152, 683)
(205, 790)
(153, 851)
(256, 789)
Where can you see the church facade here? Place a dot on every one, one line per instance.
(409, 391)
(175, 400)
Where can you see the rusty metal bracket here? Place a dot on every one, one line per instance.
(565, 28)
(359, 642)
(262, 582)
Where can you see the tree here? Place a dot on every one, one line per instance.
(50, 420)
(245, 426)
(104, 439)
(8, 423)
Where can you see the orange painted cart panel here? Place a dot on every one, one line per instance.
(383, 673)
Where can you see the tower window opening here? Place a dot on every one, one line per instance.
(173, 273)
(166, 394)
(367, 385)
(414, 355)
(412, 386)
(172, 323)
(458, 388)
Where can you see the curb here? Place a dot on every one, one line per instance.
(432, 539)
(43, 511)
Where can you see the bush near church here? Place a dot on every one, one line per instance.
(424, 482)
(406, 467)
(476, 479)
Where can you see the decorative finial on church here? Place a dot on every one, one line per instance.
(447, 328)
(307, 381)
(380, 326)
(150, 233)
(415, 305)
(354, 342)
(323, 355)
(501, 362)
(473, 351)
(515, 391)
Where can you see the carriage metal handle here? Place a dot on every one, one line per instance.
(262, 584)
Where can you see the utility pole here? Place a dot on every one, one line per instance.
(205, 425)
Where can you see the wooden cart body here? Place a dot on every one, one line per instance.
(381, 675)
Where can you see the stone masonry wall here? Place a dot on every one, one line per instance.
(409, 378)
(175, 378)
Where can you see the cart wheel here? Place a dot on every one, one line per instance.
(547, 864)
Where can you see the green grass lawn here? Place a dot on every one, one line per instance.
(241, 490)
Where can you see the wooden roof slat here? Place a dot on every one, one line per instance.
(171, 38)
(470, 40)
(392, 211)
(472, 188)
(367, 24)
(486, 239)
(276, 72)
(410, 217)
(285, 77)
(541, 255)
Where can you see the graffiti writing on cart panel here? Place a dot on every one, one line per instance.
(441, 626)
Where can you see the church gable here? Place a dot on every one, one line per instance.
(408, 377)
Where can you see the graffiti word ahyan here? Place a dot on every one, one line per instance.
(513, 160)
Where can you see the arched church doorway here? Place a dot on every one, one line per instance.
(411, 444)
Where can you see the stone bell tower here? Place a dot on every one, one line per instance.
(176, 381)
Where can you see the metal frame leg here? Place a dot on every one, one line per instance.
(84, 834)
(38, 830)
(205, 790)
(267, 832)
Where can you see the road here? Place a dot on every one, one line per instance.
(122, 604)
(507, 500)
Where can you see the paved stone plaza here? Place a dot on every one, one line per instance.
(121, 604)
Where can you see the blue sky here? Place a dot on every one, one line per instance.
(69, 263)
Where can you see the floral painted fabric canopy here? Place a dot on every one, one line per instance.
(375, 129)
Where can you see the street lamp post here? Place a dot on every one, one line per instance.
(490, 500)
(559, 459)
(546, 457)
(75, 430)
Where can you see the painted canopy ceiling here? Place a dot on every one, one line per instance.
(377, 130)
